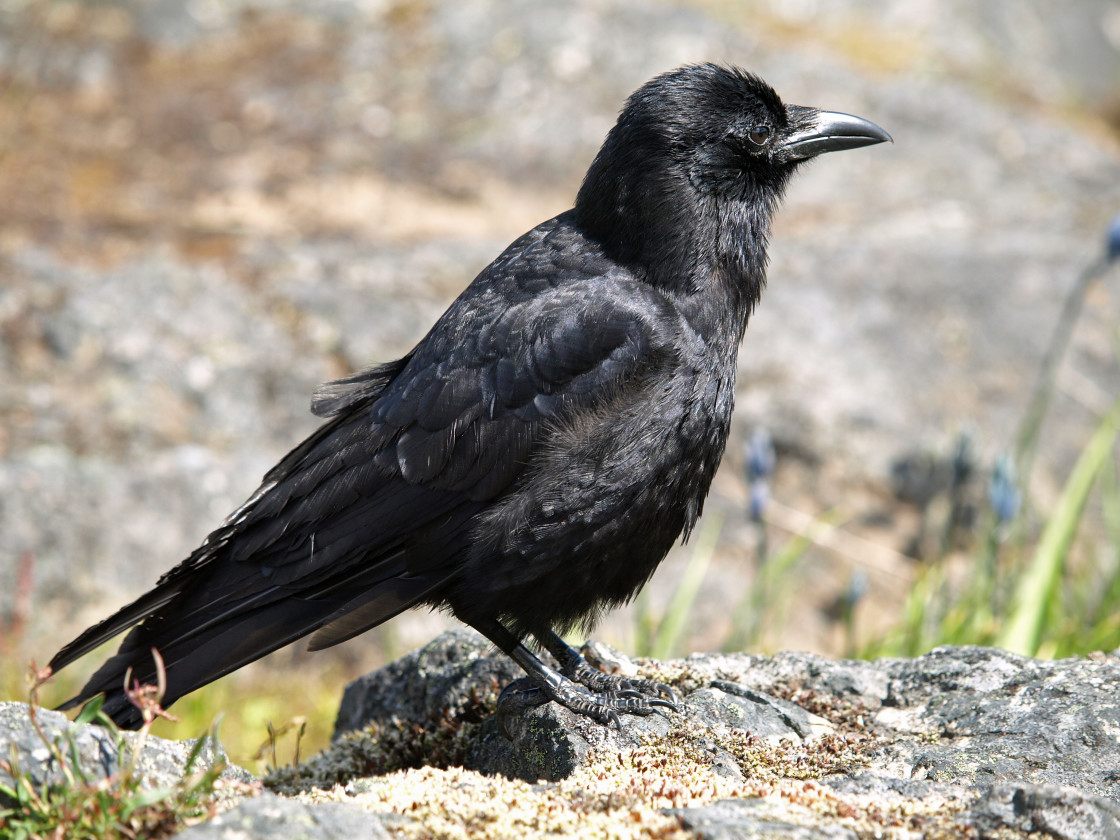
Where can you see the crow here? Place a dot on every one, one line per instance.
(536, 455)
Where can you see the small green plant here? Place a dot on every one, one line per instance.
(87, 805)
(1050, 595)
(1039, 583)
(774, 575)
(298, 724)
(661, 639)
(1054, 595)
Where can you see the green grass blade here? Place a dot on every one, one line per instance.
(792, 550)
(144, 798)
(90, 710)
(757, 607)
(672, 625)
(1022, 633)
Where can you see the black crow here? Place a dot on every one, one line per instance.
(531, 461)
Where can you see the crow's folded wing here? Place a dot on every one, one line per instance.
(368, 516)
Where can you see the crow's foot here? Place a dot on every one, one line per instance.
(612, 685)
(603, 705)
(576, 668)
(576, 686)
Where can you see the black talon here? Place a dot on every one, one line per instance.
(625, 694)
(577, 686)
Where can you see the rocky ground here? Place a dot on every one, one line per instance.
(962, 742)
(211, 207)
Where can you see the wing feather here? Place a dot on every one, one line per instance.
(374, 511)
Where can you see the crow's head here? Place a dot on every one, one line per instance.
(688, 177)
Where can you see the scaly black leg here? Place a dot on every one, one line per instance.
(575, 667)
(546, 684)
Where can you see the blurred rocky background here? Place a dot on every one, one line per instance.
(209, 207)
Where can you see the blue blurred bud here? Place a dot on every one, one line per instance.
(1003, 490)
(1114, 240)
(760, 495)
(760, 455)
(859, 584)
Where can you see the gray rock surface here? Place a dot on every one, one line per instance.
(1003, 741)
(1062, 812)
(440, 682)
(1001, 718)
(160, 763)
(969, 740)
(736, 819)
(550, 742)
(444, 682)
(958, 715)
(270, 817)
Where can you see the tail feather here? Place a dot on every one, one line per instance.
(115, 624)
(372, 608)
(209, 656)
(330, 544)
(199, 656)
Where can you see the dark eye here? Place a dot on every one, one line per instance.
(759, 135)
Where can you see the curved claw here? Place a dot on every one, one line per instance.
(625, 694)
(584, 689)
(651, 687)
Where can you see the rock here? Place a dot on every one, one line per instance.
(962, 739)
(984, 716)
(269, 817)
(1017, 810)
(441, 684)
(160, 763)
(732, 705)
(737, 819)
(1061, 812)
(446, 680)
(961, 715)
(547, 743)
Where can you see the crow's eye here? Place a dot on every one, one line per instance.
(759, 135)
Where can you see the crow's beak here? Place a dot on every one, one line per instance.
(814, 132)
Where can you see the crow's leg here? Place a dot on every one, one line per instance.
(544, 684)
(576, 668)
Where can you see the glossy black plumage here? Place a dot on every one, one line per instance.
(536, 455)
